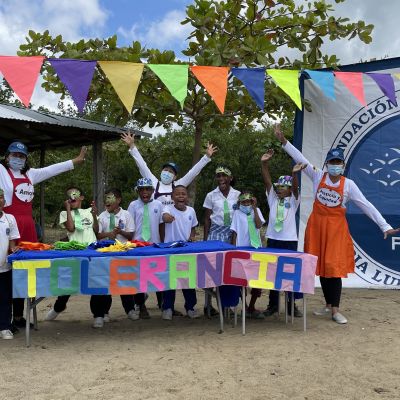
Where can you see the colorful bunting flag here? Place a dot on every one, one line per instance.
(253, 79)
(125, 78)
(175, 77)
(354, 82)
(288, 81)
(215, 81)
(77, 76)
(386, 84)
(21, 74)
(324, 80)
(397, 75)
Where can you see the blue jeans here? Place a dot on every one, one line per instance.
(188, 294)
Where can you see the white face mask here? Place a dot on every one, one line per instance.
(167, 177)
(16, 163)
(335, 170)
(245, 209)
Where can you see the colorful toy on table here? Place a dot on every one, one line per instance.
(72, 245)
(141, 243)
(117, 247)
(34, 246)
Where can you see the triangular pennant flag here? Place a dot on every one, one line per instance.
(215, 81)
(77, 76)
(253, 79)
(397, 75)
(386, 84)
(174, 77)
(21, 74)
(325, 81)
(354, 82)
(288, 81)
(125, 78)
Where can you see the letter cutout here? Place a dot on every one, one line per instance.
(74, 266)
(31, 267)
(116, 276)
(189, 273)
(290, 276)
(149, 267)
(85, 289)
(205, 266)
(262, 282)
(228, 278)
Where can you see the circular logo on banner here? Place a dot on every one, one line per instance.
(372, 149)
(329, 197)
(24, 192)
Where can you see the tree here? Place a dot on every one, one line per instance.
(233, 33)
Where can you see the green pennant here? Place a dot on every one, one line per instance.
(175, 78)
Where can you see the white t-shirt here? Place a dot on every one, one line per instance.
(122, 218)
(86, 235)
(291, 204)
(185, 180)
(215, 201)
(240, 226)
(8, 231)
(351, 192)
(136, 209)
(35, 175)
(181, 228)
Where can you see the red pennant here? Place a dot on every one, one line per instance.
(215, 81)
(21, 74)
(354, 82)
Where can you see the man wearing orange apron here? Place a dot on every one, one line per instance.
(327, 234)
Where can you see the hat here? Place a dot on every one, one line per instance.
(335, 154)
(144, 182)
(17, 147)
(171, 165)
(284, 180)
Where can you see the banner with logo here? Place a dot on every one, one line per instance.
(370, 138)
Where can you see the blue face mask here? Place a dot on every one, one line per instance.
(245, 209)
(167, 177)
(16, 163)
(335, 170)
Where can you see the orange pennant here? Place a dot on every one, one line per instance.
(215, 81)
(21, 74)
(354, 82)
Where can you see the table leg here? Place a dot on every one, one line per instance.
(243, 310)
(304, 312)
(286, 308)
(28, 322)
(292, 307)
(221, 312)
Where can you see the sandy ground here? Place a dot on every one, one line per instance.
(188, 359)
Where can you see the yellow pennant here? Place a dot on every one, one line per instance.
(288, 81)
(125, 78)
(397, 75)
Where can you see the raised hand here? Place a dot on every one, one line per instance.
(299, 167)
(211, 149)
(267, 156)
(81, 157)
(129, 139)
(391, 232)
(278, 133)
(93, 208)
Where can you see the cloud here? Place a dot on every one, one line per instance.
(165, 33)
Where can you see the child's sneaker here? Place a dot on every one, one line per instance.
(339, 318)
(323, 311)
(167, 314)
(133, 315)
(6, 334)
(270, 310)
(98, 322)
(192, 314)
(106, 318)
(143, 313)
(51, 315)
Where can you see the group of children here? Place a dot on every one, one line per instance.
(231, 216)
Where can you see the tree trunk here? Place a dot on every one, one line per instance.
(198, 133)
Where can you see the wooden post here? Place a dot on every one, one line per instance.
(41, 198)
(98, 179)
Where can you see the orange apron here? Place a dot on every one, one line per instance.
(327, 234)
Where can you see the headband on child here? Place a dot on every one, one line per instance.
(246, 196)
(223, 170)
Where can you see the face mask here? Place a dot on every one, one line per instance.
(16, 163)
(335, 170)
(245, 209)
(167, 177)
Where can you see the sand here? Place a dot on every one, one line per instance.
(188, 359)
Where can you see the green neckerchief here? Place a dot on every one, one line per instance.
(77, 220)
(227, 214)
(146, 230)
(112, 221)
(255, 240)
(280, 214)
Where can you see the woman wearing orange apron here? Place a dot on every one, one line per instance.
(327, 233)
(17, 180)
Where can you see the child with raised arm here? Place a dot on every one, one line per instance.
(180, 223)
(283, 201)
(327, 233)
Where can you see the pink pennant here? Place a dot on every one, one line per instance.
(354, 82)
(21, 74)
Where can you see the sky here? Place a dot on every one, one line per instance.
(156, 23)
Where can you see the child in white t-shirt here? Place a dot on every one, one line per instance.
(115, 223)
(8, 235)
(283, 200)
(180, 222)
